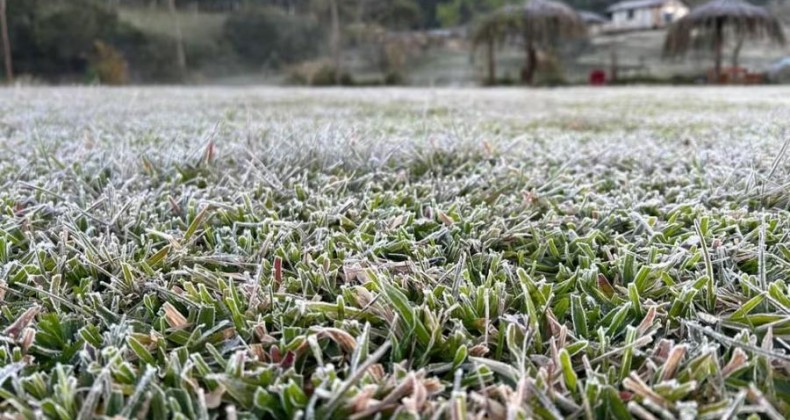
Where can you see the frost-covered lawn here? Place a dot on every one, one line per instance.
(583, 253)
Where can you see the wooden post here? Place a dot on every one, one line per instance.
(181, 59)
(9, 67)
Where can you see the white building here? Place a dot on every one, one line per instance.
(595, 22)
(634, 15)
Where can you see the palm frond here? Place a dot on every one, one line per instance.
(731, 17)
(541, 21)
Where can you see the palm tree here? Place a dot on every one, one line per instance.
(539, 23)
(9, 68)
(718, 20)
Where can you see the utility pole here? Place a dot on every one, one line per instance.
(9, 67)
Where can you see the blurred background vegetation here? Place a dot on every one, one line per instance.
(316, 42)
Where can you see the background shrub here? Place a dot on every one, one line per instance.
(268, 37)
(56, 41)
(108, 65)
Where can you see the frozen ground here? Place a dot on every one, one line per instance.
(542, 253)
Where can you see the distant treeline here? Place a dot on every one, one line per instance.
(68, 40)
(424, 11)
(433, 13)
(86, 40)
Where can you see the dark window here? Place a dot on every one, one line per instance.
(630, 14)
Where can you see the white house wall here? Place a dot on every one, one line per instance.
(642, 18)
(647, 18)
(675, 8)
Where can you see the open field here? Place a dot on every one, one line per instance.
(582, 253)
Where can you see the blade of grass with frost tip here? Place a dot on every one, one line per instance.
(140, 350)
(139, 391)
(747, 307)
(568, 374)
(402, 305)
(196, 222)
(710, 292)
(332, 404)
(503, 369)
(8, 371)
(761, 257)
(618, 320)
(628, 353)
(158, 256)
(774, 166)
(578, 316)
(87, 411)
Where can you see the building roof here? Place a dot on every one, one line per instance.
(635, 4)
(592, 17)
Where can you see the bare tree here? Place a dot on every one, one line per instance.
(736, 52)
(9, 67)
(181, 59)
(335, 39)
(492, 30)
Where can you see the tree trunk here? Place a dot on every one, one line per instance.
(613, 64)
(531, 64)
(361, 11)
(718, 45)
(736, 53)
(491, 62)
(335, 39)
(9, 67)
(181, 59)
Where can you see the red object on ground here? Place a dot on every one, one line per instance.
(597, 78)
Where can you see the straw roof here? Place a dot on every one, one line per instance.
(545, 20)
(592, 17)
(541, 21)
(719, 16)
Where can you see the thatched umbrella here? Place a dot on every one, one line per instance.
(539, 23)
(545, 21)
(491, 30)
(715, 21)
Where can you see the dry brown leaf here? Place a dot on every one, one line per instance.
(22, 322)
(214, 398)
(479, 350)
(173, 317)
(345, 340)
(738, 359)
(673, 361)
